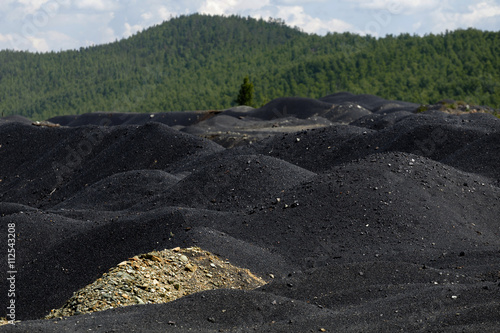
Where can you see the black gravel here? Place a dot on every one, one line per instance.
(387, 224)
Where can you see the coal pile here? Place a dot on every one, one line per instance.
(360, 214)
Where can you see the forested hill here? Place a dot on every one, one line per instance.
(199, 62)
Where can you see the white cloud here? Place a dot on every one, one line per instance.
(39, 44)
(165, 14)
(480, 11)
(63, 24)
(100, 5)
(217, 7)
(398, 7)
(482, 14)
(224, 7)
(299, 2)
(60, 41)
(296, 16)
(14, 42)
(339, 26)
(6, 4)
(6, 41)
(131, 29)
(31, 6)
(20, 43)
(108, 35)
(147, 16)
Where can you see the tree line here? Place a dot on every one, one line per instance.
(198, 62)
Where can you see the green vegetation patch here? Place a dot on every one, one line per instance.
(197, 62)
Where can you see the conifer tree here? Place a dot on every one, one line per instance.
(245, 96)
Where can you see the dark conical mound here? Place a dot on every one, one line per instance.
(120, 191)
(388, 223)
(346, 113)
(210, 311)
(59, 255)
(219, 123)
(116, 118)
(15, 119)
(457, 306)
(361, 282)
(288, 106)
(433, 295)
(27, 154)
(432, 136)
(481, 122)
(378, 122)
(370, 102)
(338, 98)
(8, 208)
(386, 206)
(58, 164)
(480, 156)
(235, 182)
(314, 150)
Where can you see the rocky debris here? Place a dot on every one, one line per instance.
(456, 107)
(45, 123)
(157, 277)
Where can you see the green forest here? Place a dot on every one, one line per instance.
(198, 62)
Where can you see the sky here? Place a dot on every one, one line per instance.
(55, 25)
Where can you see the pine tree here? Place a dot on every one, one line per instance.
(245, 96)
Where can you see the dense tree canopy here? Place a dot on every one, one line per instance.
(197, 62)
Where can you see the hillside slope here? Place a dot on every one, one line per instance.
(198, 62)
